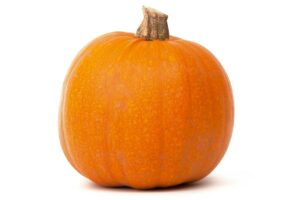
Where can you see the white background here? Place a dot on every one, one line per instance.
(258, 43)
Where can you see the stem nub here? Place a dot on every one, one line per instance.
(154, 25)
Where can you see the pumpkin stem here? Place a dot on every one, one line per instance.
(154, 25)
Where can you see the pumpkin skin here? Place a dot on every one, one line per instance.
(145, 114)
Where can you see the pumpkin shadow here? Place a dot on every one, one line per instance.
(208, 182)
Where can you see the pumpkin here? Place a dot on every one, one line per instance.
(145, 110)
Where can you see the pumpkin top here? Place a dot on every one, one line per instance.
(154, 25)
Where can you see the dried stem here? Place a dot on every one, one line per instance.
(154, 25)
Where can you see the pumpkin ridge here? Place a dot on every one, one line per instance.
(107, 148)
(126, 51)
(184, 45)
(162, 122)
(180, 51)
(227, 127)
(99, 50)
(202, 52)
(105, 160)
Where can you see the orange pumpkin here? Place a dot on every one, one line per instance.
(146, 110)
